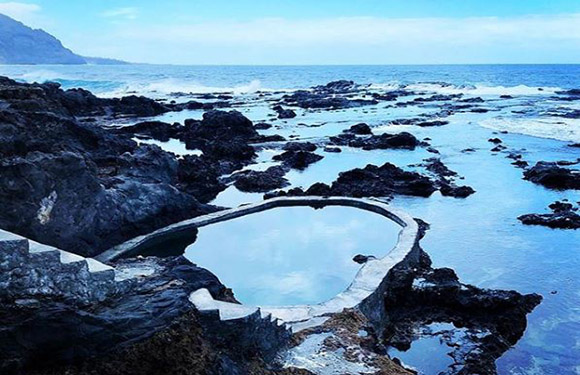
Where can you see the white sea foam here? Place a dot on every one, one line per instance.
(545, 127)
(474, 90)
(40, 76)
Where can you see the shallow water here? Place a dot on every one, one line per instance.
(294, 255)
(479, 237)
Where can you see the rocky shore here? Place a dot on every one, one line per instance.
(73, 181)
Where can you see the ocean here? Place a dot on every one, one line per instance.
(479, 237)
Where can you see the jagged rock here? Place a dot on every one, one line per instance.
(284, 113)
(360, 129)
(300, 146)
(158, 130)
(417, 296)
(261, 181)
(298, 159)
(384, 141)
(553, 176)
(424, 124)
(199, 177)
(56, 333)
(332, 149)
(563, 216)
(373, 181)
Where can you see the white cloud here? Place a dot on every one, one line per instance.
(19, 11)
(353, 40)
(126, 13)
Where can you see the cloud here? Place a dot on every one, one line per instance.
(19, 11)
(126, 13)
(355, 40)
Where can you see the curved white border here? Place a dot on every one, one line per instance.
(367, 280)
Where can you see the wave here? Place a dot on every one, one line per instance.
(170, 86)
(473, 90)
(544, 127)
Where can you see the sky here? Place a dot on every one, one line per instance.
(293, 32)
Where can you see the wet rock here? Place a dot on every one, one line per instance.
(332, 149)
(563, 216)
(300, 146)
(221, 125)
(496, 141)
(338, 87)
(373, 181)
(553, 176)
(436, 166)
(284, 113)
(262, 126)
(572, 92)
(445, 177)
(452, 190)
(298, 159)
(360, 129)
(424, 124)
(261, 181)
(418, 295)
(158, 130)
(38, 337)
(521, 164)
(506, 97)
(402, 140)
(438, 98)
(362, 259)
(472, 100)
(199, 177)
(77, 186)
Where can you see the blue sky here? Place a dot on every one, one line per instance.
(312, 31)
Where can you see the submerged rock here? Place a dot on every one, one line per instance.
(261, 181)
(384, 141)
(553, 176)
(563, 216)
(418, 296)
(298, 159)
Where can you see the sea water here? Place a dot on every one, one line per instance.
(479, 237)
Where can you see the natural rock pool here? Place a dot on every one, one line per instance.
(292, 255)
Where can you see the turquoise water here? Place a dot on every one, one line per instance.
(479, 237)
(292, 256)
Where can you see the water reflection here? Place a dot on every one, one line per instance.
(295, 255)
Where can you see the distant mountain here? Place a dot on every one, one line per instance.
(20, 44)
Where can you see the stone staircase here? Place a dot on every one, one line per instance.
(29, 270)
(247, 326)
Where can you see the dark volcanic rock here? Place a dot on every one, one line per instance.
(335, 150)
(261, 181)
(373, 181)
(402, 140)
(360, 129)
(563, 216)
(300, 146)
(158, 130)
(284, 113)
(199, 177)
(220, 125)
(75, 185)
(553, 176)
(298, 159)
(452, 190)
(52, 332)
(418, 295)
(60, 200)
(424, 124)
